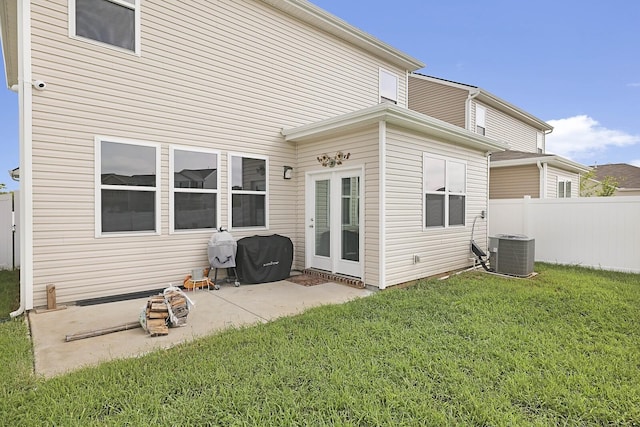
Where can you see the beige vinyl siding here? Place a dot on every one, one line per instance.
(436, 100)
(514, 182)
(502, 127)
(225, 75)
(555, 174)
(627, 192)
(364, 148)
(439, 249)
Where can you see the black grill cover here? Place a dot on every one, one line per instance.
(262, 259)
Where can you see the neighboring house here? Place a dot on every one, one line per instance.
(143, 99)
(515, 174)
(524, 169)
(626, 176)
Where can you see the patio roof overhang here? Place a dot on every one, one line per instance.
(397, 116)
(552, 160)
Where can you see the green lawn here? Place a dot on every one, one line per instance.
(560, 349)
(9, 292)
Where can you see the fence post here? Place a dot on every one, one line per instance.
(526, 217)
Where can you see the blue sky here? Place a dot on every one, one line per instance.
(573, 63)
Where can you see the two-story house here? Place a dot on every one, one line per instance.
(525, 168)
(147, 124)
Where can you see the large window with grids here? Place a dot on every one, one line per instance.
(127, 186)
(111, 22)
(193, 183)
(248, 180)
(445, 186)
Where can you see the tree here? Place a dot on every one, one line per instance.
(609, 185)
(590, 187)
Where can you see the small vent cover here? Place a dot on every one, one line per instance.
(512, 254)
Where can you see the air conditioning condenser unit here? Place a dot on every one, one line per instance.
(512, 254)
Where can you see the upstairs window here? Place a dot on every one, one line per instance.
(112, 22)
(194, 183)
(539, 142)
(248, 179)
(445, 184)
(564, 188)
(127, 187)
(481, 118)
(388, 87)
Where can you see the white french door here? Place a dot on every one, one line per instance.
(334, 222)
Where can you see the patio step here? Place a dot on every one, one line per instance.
(354, 282)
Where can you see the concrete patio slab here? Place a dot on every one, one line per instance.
(213, 311)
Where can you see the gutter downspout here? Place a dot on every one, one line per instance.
(382, 223)
(467, 109)
(26, 141)
(487, 213)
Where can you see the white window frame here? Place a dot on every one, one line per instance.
(562, 183)
(136, 9)
(386, 78)
(232, 192)
(446, 193)
(173, 190)
(98, 140)
(481, 119)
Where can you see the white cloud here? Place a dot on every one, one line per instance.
(635, 163)
(634, 85)
(583, 138)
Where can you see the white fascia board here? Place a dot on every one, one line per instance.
(510, 109)
(398, 116)
(9, 35)
(556, 161)
(445, 82)
(568, 165)
(320, 18)
(519, 162)
(336, 124)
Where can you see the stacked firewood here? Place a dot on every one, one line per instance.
(162, 311)
(157, 316)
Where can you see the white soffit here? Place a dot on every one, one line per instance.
(9, 34)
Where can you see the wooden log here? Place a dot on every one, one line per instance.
(51, 297)
(104, 331)
(157, 315)
(159, 307)
(152, 323)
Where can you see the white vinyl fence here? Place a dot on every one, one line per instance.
(598, 232)
(9, 249)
